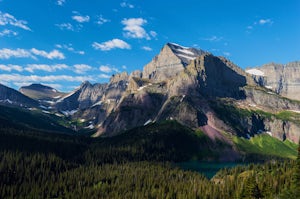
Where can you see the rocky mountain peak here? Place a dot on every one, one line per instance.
(171, 60)
(185, 54)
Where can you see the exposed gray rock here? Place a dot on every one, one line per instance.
(284, 79)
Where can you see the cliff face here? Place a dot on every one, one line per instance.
(281, 78)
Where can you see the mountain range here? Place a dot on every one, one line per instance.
(191, 86)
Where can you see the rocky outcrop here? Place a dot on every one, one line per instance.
(83, 97)
(283, 79)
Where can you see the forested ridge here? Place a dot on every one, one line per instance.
(34, 164)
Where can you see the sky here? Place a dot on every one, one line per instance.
(62, 43)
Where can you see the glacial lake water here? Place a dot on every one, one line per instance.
(208, 169)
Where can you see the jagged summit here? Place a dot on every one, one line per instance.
(186, 54)
(171, 60)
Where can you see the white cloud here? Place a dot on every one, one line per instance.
(147, 48)
(44, 67)
(70, 48)
(8, 33)
(111, 44)
(105, 69)
(49, 78)
(54, 54)
(8, 19)
(6, 53)
(126, 5)
(101, 20)
(104, 76)
(265, 21)
(153, 34)
(213, 38)
(124, 67)
(133, 28)
(82, 68)
(61, 2)
(11, 67)
(65, 26)
(80, 18)
(108, 69)
(227, 54)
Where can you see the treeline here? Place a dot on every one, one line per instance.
(34, 164)
(36, 175)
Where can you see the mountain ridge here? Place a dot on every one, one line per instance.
(191, 93)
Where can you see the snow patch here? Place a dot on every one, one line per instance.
(59, 115)
(68, 113)
(97, 104)
(186, 51)
(256, 72)
(56, 97)
(91, 126)
(141, 88)
(6, 101)
(54, 90)
(183, 96)
(148, 122)
(186, 56)
(269, 133)
(269, 87)
(45, 111)
(43, 107)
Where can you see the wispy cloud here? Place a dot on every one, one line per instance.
(82, 68)
(54, 54)
(65, 26)
(126, 5)
(8, 33)
(6, 53)
(108, 69)
(11, 67)
(70, 48)
(134, 28)
(111, 44)
(265, 22)
(213, 38)
(101, 20)
(227, 54)
(104, 76)
(147, 48)
(44, 67)
(260, 22)
(80, 18)
(48, 78)
(8, 19)
(61, 2)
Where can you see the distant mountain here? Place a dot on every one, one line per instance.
(41, 92)
(284, 79)
(12, 97)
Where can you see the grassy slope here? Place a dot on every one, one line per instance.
(266, 145)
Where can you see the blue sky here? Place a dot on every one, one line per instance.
(64, 42)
